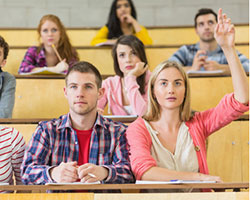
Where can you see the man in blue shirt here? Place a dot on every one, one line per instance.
(206, 54)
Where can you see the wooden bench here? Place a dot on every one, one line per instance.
(96, 55)
(168, 35)
(228, 152)
(44, 97)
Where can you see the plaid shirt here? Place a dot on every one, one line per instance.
(55, 141)
(34, 59)
(185, 56)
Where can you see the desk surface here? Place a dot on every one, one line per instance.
(234, 186)
(125, 119)
(116, 119)
(104, 76)
(132, 196)
(159, 196)
(45, 196)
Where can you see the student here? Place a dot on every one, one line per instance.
(121, 21)
(206, 54)
(51, 32)
(7, 83)
(12, 147)
(81, 145)
(126, 93)
(168, 143)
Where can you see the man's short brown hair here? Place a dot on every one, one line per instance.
(86, 67)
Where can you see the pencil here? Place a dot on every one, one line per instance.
(58, 56)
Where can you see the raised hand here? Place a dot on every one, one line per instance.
(224, 31)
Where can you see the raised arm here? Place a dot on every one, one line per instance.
(225, 36)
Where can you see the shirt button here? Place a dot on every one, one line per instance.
(197, 148)
(76, 142)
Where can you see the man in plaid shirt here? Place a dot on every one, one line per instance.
(81, 145)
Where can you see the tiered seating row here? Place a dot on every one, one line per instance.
(83, 36)
(96, 55)
(37, 98)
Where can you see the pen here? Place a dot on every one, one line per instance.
(174, 180)
(92, 175)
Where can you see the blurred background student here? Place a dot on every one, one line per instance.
(206, 54)
(12, 148)
(121, 21)
(51, 32)
(126, 93)
(7, 83)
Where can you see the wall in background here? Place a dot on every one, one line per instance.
(94, 13)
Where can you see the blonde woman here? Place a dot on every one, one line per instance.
(168, 142)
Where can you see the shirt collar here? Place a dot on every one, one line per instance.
(66, 122)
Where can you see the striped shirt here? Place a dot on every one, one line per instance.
(12, 148)
(186, 53)
(56, 141)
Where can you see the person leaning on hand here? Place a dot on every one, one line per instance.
(121, 21)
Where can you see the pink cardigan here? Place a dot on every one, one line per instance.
(200, 127)
(113, 95)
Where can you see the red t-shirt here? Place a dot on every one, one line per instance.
(83, 137)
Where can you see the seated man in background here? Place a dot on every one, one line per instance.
(206, 54)
(7, 83)
(81, 145)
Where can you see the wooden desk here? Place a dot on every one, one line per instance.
(45, 196)
(175, 196)
(135, 187)
(117, 196)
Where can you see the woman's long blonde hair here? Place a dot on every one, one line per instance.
(154, 111)
(64, 48)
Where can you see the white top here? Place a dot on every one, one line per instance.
(184, 157)
(12, 147)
